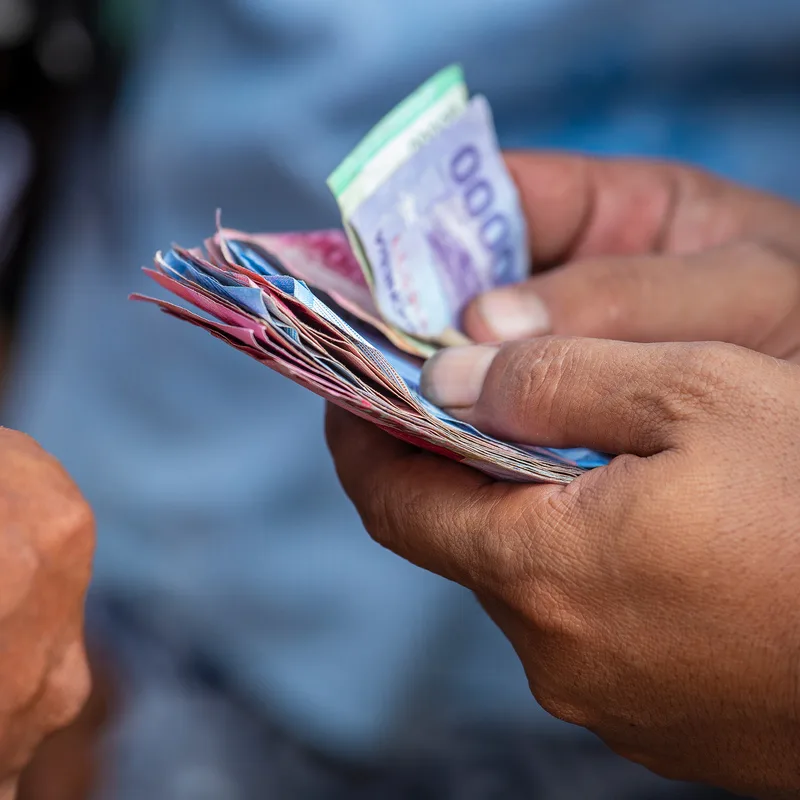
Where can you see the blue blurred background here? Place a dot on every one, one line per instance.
(250, 641)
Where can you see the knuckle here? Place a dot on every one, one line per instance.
(69, 687)
(704, 377)
(70, 530)
(534, 369)
(695, 219)
(41, 500)
(767, 254)
(565, 710)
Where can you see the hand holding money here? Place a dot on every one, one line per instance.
(432, 219)
(647, 252)
(653, 599)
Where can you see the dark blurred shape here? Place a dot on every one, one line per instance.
(49, 59)
(65, 52)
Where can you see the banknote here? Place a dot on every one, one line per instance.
(443, 227)
(400, 134)
(431, 212)
(326, 260)
(254, 303)
(431, 218)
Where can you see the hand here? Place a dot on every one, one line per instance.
(46, 545)
(640, 251)
(653, 600)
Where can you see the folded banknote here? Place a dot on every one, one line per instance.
(431, 219)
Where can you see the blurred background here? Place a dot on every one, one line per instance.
(248, 640)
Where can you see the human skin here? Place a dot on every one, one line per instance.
(46, 547)
(654, 600)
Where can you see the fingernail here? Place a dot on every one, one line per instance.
(453, 378)
(511, 314)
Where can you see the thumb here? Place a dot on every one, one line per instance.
(745, 293)
(615, 397)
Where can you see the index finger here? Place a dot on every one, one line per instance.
(435, 513)
(581, 206)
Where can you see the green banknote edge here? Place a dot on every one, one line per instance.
(396, 122)
(403, 131)
(400, 133)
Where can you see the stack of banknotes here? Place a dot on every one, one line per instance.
(431, 219)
